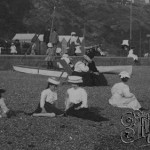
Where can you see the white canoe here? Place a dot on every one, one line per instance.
(57, 73)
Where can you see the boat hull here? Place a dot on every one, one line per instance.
(57, 73)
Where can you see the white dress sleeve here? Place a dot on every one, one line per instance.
(84, 68)
(127, 93)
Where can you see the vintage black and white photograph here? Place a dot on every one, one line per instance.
(74, 74)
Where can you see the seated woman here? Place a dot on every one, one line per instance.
(98, 79)
(67, 59)
(121, 95)
(48, 100)
(76, 101)
(81, 69)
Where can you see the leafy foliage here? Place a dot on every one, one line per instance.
(109, 20)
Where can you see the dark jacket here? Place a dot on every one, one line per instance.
(46, 36)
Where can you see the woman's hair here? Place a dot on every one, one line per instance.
(49, 84)
(125, 79)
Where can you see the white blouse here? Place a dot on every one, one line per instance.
(76, 96)
(121, 89)
(47, 96)
(13, 49)
(81, 67)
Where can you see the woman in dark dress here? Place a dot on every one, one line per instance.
(98, 78)
(81, 69)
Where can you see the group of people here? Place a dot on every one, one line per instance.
(76, 100)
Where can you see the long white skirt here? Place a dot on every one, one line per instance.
(119, 101)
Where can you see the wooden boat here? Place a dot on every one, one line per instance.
(57, 73)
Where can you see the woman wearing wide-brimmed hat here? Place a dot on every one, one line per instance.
(50, 56)
(98, 79)
(48, 100)
(121, 95)
(76, 102)
(81, 69)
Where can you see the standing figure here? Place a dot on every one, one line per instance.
(132, 55)
(33, 49)
(121, 95)
(50, 56)
(72, 44)
(54, 39)
(46, 36)
(13, 49)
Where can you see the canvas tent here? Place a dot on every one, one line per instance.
(26, 39)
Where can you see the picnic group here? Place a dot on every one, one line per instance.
(84, 73)
(76, 98)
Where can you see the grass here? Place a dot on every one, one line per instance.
(67, 133)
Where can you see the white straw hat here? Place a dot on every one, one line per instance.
(125, 42)
(75, 79)
(124, 74)
(53, 81)
(73, 33)
(49, 45)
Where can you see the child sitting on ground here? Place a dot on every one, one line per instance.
(121, 95)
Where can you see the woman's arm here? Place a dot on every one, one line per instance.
(42, 100)
(67, 102)
(127, 93)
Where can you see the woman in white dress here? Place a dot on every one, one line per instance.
(48, 100)
(76, 102)
(121, 95)
(13, 49)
